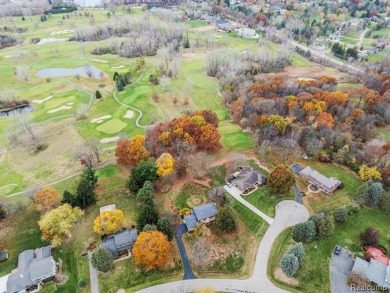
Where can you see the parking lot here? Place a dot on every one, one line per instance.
(340, 267)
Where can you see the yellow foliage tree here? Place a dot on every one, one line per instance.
(367, 173)
(47, 199)
(109, 222)
(130, 152)
(151, 250)
(56, 225)
(165, 164)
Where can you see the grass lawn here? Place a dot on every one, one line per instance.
(314, 275)
(233, 138)
(298, 60)
(348, 41)
(10, 181)
(188, 190)
(195, 23)
(265, 201)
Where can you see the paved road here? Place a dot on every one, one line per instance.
(181, 229)
(288, 213)
(236, 193)
(93, 276)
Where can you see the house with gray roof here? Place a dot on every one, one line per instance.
(374, 271)
(202, 214)
(121, 242)
(248, 179)
(34, 267)
(327, 184)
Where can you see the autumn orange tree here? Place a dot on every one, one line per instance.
(109, 222)
(165, 165)
(130, 152)
(151, 250)
(46, 199)
(281, 179)
(325, 120)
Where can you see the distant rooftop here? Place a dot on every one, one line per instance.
(326, 181)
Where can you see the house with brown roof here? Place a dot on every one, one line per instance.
(248, 179)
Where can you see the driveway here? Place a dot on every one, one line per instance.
(236, 193)
(93, 275)
(3, 283)
(288, 213)
(181, 229)
(340, 267)
(298, 194)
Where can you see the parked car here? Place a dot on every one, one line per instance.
(337, 250)
(3, 255)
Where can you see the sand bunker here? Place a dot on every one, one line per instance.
(109, 139)
(62, 32)
(100, 61)
(9, 56)
(100, 119)
(49, 40)
(129, 114)
(118, 67)
(69, 104)
(43, 100)
(59, 109)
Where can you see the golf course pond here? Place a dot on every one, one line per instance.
(19, 110)
(84, 71)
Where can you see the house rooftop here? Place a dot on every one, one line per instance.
(247, 177)
(33, 266)
(205, 211)
(120, 240)
(374, 270)
(191, 221)
(326, 181)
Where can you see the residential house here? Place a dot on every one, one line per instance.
(373, 270)
(121, 242)
(202, 214)
(34, 267)
(328, 185)
(248, 179)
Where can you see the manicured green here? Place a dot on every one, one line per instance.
(112, 126)
(298, 60)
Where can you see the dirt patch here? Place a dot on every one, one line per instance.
(314, 71)
(192, 55)
(280, 275)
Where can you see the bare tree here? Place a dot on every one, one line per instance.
(81, 112)
(85, 155)
(95, 146)
(25, 125)
(22, 73)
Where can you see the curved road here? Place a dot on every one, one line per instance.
(288, 213)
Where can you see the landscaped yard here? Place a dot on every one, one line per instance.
(340, 197)
(314, 275)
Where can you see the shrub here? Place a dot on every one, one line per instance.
(82, 283)
(165, 226)
(289, 264)
(326, 226)
(340, 215)
(102, 260)
(298, 251)
(225, 220)
(370, 236)
(304, 232)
